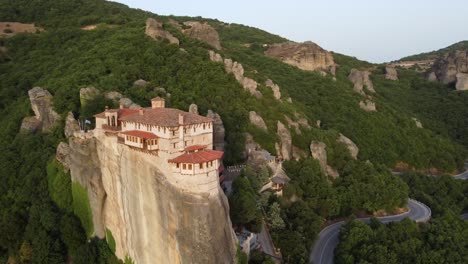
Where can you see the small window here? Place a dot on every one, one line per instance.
(175, 144)
(177, 165)
(173, 132)
(204, 126)
(184, 166)
(201, 165)
(194, 129)
(190, 166)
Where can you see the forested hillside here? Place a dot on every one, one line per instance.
(64, 58)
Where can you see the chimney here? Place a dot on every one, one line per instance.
(141, 111)
(181, 119)
(121, 106)
(158, 102)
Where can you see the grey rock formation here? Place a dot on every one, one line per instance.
(332, 172)
(391, 73)
(319, 152)
(202, 32)
(285, 141)
(298, 153)
(367, 105)
(352, 147)
(289, 100)
(71, 125)
(155, 30)
(417, 122)
(193, 108)
(218, 130)
(41, 104)
(131, 196)
(63, 155)
(361, 79)
(30, 124)
(446, 67)
(432, 77)
(257, 120)
(174, 23)
(115, 96)
(275, 88)
(88, 93)
(140, 83)
(462, 81)
(128, 103)
(293, 124)
(306, 56)
(215, 56)
(238, 71)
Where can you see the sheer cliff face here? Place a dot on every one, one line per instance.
(152, 218)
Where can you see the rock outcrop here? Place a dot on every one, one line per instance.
(41, 104)
(193, 108)
(202, 32)
(451, 68)
(306, 56)
(63, 155)
(219, 131)
(361, 80)
(285, 148)
(135, 198)
(155, 30)
(238, 71)
(319, 152)
(367, 105)
(140, 83)
(417, 122)
(257, 120)
(71, 125)
(352, 147)
(391, 73)
(118, 98)
(215, 56)
(275, 88)
(462, 81)
(87, 94)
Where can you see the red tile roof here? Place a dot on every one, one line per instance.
(198, 157)
(195, 147)
(168, 117)
(140, 134)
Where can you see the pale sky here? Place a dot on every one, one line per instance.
(372, 30)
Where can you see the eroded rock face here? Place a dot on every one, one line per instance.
(155, 30)
(352, 147)
(275, 88)
(87, 94)
(319, 152)
(193, 108)
(361, 80)
(257, 120)
(446, 67)
(391, 73)
(417, 122)
(119, 99)
(140, 83)
(71, 125)
(218, 130)
(202, 32)
(306, 56)
(131, 195)
(238, 71)
(41, 104)
(367, 105)
(30, 124)
(462, 81)
(215, 56)
(286, 141)
(63, 155)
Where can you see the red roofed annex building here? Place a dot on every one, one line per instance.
(183, 140)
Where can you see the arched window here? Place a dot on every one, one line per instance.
(113, 121)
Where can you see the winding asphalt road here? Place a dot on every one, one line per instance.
(323, 250)
(464, 175)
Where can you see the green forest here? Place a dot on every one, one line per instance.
(443, 240)
(44, 217)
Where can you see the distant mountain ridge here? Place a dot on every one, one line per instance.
(432, 55)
